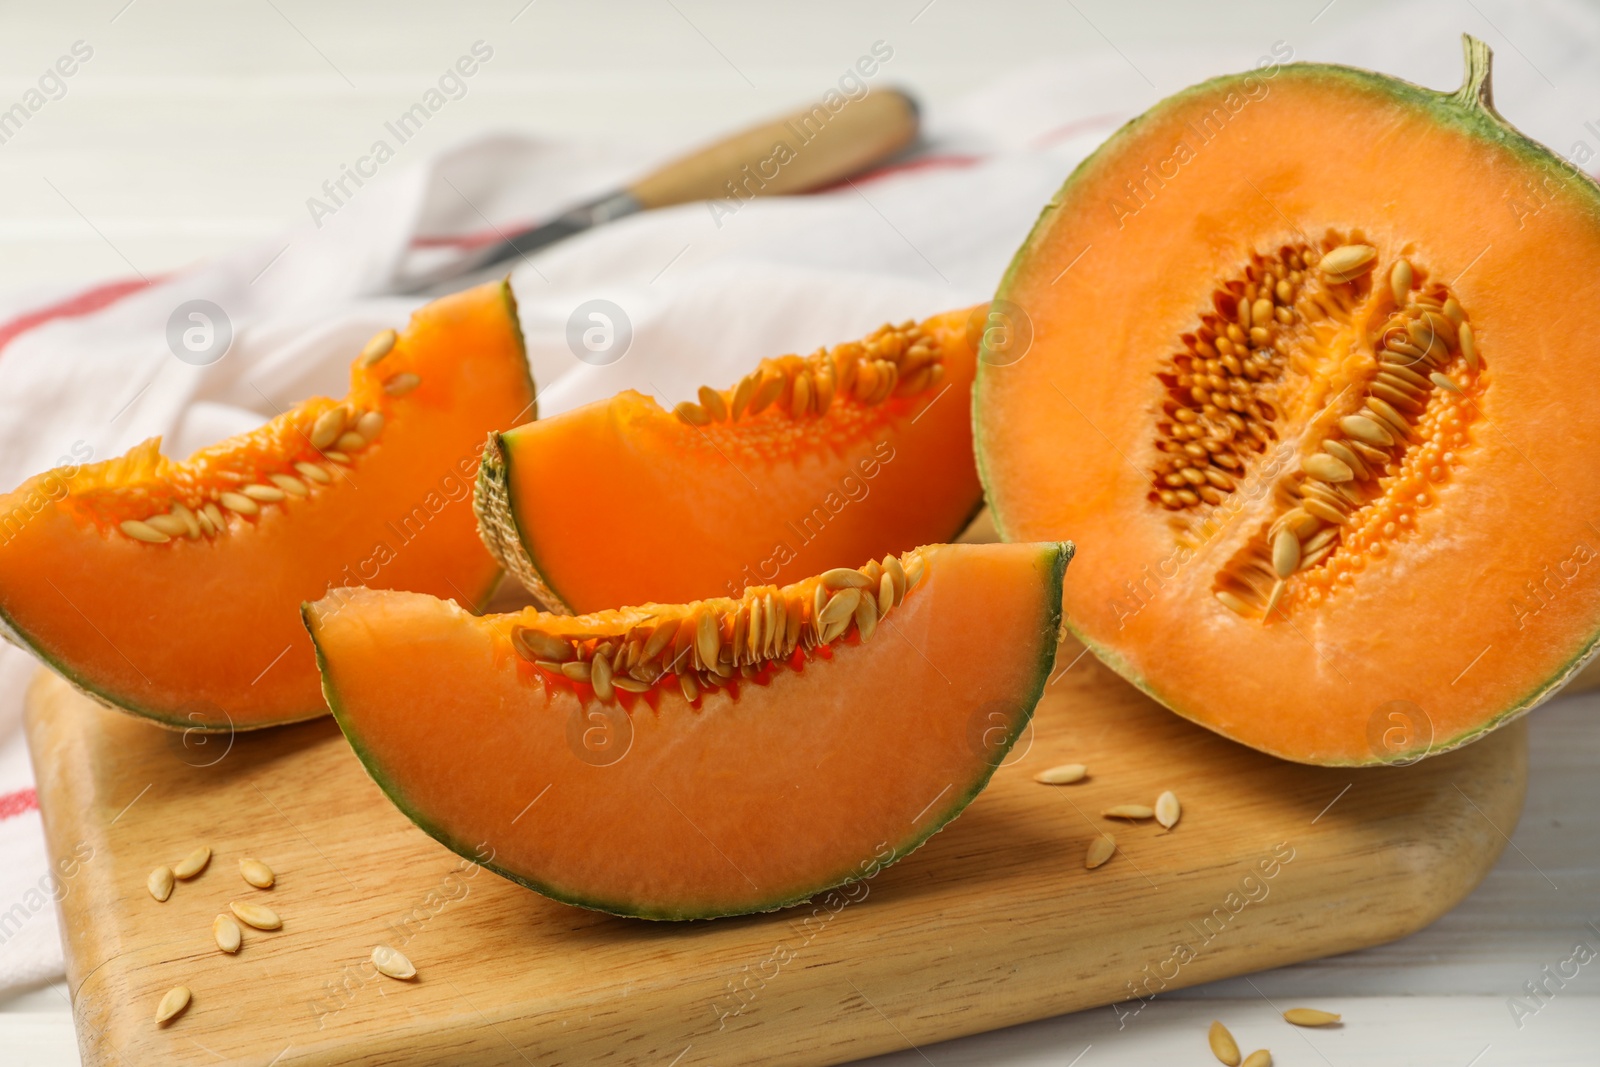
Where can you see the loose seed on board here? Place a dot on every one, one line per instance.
(1285, 553)
(258, 915)
(172, 1004)
(1168, 810)
(227, 934)
(392, 963)
(1310, 1017)
(1100, 850)
(256, 873)
(1065, 774)
(1129, 811)
(1259, 1058)
(143, 531)
(401, 384)
(192, 864)
(160, 883)
(1223, 1046)
(377, 348)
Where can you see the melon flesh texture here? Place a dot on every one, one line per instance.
(622, 502)
(205, 632)
(731, 805)
(1492, 599)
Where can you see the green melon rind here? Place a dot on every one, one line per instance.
(494, 504)
(1060, 554)
(11, 632)
(1469, 109)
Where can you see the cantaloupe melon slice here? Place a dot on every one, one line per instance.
(705, 759)
(172, 589)
(807, 463)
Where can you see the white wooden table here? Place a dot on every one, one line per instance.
(200, 125)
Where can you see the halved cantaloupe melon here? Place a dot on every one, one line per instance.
(172, 589)
(805, 464)
(1315, 398)
(714, 758)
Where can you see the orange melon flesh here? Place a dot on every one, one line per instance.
(748, 799)
(620, 502)
(1483, 599)
(204, 631)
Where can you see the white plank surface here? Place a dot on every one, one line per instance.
(199, 125)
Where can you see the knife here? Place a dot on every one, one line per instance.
(806, 150)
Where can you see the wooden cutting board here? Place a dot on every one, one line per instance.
(995, 921)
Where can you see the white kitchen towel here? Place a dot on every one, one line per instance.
(87, 372)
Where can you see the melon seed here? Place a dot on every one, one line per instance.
(192, 864)
(170, 525)
(1347, 262)
(143, 531)
(1132, 812)
(1285, 553)
(692, 413)
(377, 348)
(844, 578)
(392, 963)
(176, 999)
(236, 502)
(1223, 1046)
(1344, 454)
(326, 430)
(532, 644)
(1233, 603)
(1259, 1058)
(258, 915)
(1274, 599)
(267, 493)
(839, 607)
(160, 883)
(350, 441)
(256, 873)
(1310, 1017)
(1400, 282)
(401, 384)
(714, 405)
(577, 670)
(1323, 466)
(289, 484)
(227, 934)
(1168, 809)
(866, 617)
(1444, 381)
(1065, 774)
(1469, 346)
(314, 473)
(370, 425)
(707, 638)
(1100, 850)
(600, 678)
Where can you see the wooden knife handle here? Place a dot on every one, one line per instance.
(806, 150)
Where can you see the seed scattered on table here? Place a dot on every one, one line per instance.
(1259, 1058)
(1310, 1017)
(1100, 850)
(160, 883)
(1223, 1046)
(1065, 774)
(393, 963)
(193, 863)
(227, 934)
(257, 915)
(256, 873)
(172, 1004)
(1168, 810)
(1129, 811)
